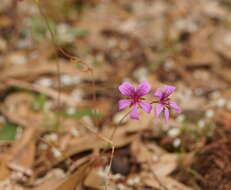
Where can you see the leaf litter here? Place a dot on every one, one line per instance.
(53, 136)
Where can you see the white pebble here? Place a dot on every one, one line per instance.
(70, 80)
(141, 74)
(71, 111)
(133, 181)
(77, 95)
(174, 132)
(117, 176)
(209, 113)
(48, 105)
(51, 137)
(102, 172)
(121, 186)
(130, 182)
(221, 102)
(66, 79)
(137, 180)
(56, 152)
(18, 58)
(176, 142)
(47, 82)
(64, 34)
(74, 132)
(180, 118)
(201, 124)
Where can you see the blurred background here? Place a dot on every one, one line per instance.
(60, 66)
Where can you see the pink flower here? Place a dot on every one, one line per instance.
(164, 103)
(134, 95)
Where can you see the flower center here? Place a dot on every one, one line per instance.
(165, 101)
(136, 98)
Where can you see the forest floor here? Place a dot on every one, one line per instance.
(61, 63)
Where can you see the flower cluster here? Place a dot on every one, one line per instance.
(135, 99)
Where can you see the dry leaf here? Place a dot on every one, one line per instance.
(76, 178)
(23, 152)
(4, 170)
(94, 180)
(169, 182)
(50, 180)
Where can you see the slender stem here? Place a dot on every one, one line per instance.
(120, 122)
(113, 147)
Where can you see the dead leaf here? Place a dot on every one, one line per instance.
(23, 152)
(75, 179)
(4, 170)
(50, 180)
(95, 181)
(169, 182)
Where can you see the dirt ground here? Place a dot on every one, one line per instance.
(61, 63)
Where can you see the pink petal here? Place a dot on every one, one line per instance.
(127, 89)
(158, 93)
(175, 106)
(146, 106)
(143, 88)
(134, 113)
(159, 109)
(166, 114)
(168, 90)
(124, 103)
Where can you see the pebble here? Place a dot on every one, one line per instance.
(209, 113)
(201, 124)
(77, 95)
(173, 132)
(74, 132)
(176, 142)
(46, 82)
(133, 181)
(17, 58)
(221, 102)
(71, 111)
(180, 118)
(56, 152)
